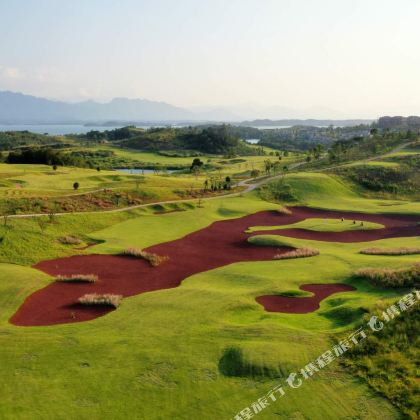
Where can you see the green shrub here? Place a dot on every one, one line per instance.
(395, 180)
(388, 360)
(277, 191)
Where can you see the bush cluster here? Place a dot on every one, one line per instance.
(277, 191)
(388, 360)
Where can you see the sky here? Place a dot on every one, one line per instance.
(273, 58)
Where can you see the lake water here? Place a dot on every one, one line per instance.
(59, 129)
(277, 127)
(141, 171)
(270, 127)
(54, 129)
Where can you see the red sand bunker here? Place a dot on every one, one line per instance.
(217, 245)
(302, 305)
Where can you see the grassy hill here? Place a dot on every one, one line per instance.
(331, 192)
(388, 178)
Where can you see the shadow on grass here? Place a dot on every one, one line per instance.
(344, 315)
(294, 293)
(233, 364)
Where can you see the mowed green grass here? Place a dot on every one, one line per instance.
(228, 165)
(157, 356)
(18, 180)
(147, 157)
(41, 180)
(21, 240)
(322, 225)
(405, 152)
(374, 163)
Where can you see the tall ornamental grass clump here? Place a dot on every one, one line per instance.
(69, 240)
(388, 277)
(153, 259)
(88, 278)
(106, 299)
(297, 253)
(390, 251)
(284, 210)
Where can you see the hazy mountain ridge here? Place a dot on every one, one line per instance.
(20, 108)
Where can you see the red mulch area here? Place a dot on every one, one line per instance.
(221, 243)
(302, 305)
(396, 226)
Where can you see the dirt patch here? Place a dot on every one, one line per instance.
(302, 305)
(221, 243)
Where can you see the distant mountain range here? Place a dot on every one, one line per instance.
(18, 108)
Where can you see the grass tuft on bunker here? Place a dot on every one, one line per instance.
(154, 259)
(297, 253)
(69, 240)
(106, 299)
(390, 251)
(388, 277)
(76, 278)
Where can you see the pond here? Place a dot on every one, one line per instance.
(142, 171)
